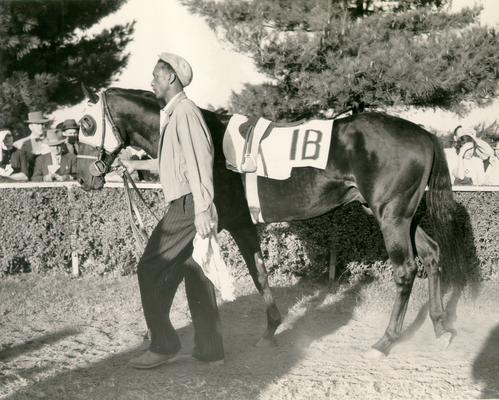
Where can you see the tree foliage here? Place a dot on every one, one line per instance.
(44, 55)
(329, 55)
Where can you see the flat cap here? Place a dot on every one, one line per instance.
(180, 66)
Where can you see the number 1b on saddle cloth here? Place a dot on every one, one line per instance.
(259, 147)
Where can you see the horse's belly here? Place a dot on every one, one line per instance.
(307, 194)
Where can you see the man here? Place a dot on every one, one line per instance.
(13, 162)
(185, 166)
(32, 145)
(58, 164)
(70, 131)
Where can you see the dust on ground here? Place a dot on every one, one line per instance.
(63, 338)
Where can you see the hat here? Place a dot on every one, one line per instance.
(69, 124)
(36, 117)
(54, 137)
(179, 65)
(466, 131)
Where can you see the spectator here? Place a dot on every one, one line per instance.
(492, 171)
(467, 161)
(32, 145)
(469, 168)
(13, 162)
(70, 131)
(59, 164)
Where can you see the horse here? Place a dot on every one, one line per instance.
(383, 162)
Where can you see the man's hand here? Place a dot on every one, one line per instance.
(48, 178)
(129, 165)
(205, 224)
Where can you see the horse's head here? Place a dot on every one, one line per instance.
(99, 140)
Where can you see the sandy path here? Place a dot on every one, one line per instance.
(72, 339)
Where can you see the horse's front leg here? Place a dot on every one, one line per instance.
(246, 238)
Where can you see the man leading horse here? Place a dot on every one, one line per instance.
(185, 166)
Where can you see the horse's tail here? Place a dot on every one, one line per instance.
(442, 210)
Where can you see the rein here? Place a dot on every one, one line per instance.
(138, 229)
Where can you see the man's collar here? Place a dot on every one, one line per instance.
(170, 106)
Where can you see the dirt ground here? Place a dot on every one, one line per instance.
(63, 338)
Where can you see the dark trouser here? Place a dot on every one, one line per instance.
(166, 260)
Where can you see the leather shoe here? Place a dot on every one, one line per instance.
(149, 359)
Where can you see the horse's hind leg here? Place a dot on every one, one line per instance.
(396, 234)
(246, 238)
(429, 252)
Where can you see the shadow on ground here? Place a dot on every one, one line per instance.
(9, 353)
(486, 366)
(248, 369)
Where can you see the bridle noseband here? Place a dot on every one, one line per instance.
(104, 159)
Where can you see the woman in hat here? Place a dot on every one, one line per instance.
(13, 162)
(58, 164)
(469, 168)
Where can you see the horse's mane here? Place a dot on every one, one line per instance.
(144, 97)
(149, 101)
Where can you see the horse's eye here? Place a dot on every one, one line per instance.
(88, 125)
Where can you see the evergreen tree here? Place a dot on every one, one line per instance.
(325, 56)
(44, 55)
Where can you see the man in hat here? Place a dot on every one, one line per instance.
(185, 166)
(70, 131)
(58, 164)
(32, 145)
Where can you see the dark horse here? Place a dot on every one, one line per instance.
(383, 162)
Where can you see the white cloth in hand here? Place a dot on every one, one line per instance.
(207, 254)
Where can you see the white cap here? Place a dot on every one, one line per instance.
(179, 65)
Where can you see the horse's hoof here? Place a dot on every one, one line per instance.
(445, 340)
(264, 342)
(373, 354)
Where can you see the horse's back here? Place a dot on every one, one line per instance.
(371, 157)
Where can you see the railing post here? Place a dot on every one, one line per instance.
(75, 265)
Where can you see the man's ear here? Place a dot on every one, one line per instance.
(172, 78)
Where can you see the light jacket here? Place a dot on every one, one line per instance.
(185, 153)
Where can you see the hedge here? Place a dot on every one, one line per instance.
(42, 226)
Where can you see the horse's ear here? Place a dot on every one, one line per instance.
(91, 96)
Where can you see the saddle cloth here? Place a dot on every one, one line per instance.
(274, 149)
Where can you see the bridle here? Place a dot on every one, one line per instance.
(104, 158)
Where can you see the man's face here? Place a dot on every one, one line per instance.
(8, 140)
(71, 132)
(36, 130)
(56, 150)
(160, 81)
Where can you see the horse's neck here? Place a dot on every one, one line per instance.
(140, 128)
